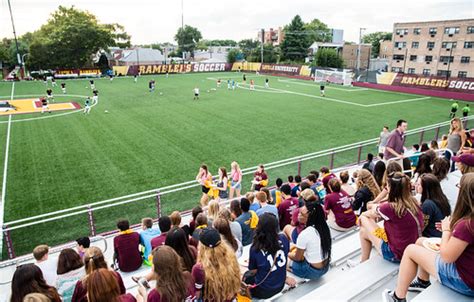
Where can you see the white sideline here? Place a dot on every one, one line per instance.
(330, 87)
(401, 101)
(5, 170)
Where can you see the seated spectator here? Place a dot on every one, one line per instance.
(173, 283)
(296, 187)
(178, 240)
(28, 279)
(192, 224)
(268, 276)
(235, 210)
(48, 266)
(441, 170)
(338, 205)
(318, 186)
(254, 204)
(345, 186)
(260, 179)
(102, 286)
(146, 235)
(326, 176)
(403, 222)
(432, 155)
(369, 164)
(392, 167)
(93, 260)
(83, 243)
(245, 220)
(201, 223)
(297, 225)
(287, 206)
(413, 154)
(213, 211)
(175, 218)
(222, 225)
(434, 203)
(424, 147)
(164, 223)
(444, 142)
(234, 225)
(434, 145)
(264, 206)
(70, 270)
(367, 190)
(126, 248)
(452, 266)
(464, 162)
(269, 195)
(291, 181)
(311, 258)
(424, 166)
(303, 186)
(216, 273)
(379, 172)
(276, 194)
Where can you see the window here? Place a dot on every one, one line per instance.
(401, 31)
(411, 70)
(415, 44)
(399, 57)
(470, 29)
(448, 45)
(430, 44)
(412, 58)
(451, 30)
(417, 31)
(462, 74)
(468, 44)
(446, 59)
(426, 72)
(465, 59)
(444, 73)
(396, 69)
(433, 31)
(429, 59)
(400, 44)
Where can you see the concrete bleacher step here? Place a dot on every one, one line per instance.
(438, 292)
(354, 282)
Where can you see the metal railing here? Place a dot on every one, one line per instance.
(338, 156)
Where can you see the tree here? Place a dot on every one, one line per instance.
(234, 55)
(318, 31)
(187, 39)
(327, 57)
(296, 42)
(375, 38)
(103, 63)
(250, 49)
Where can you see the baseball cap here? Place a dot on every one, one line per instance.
(466, 159)
(210, 237)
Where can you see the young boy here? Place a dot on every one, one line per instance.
(92, 84)
(44, 105)
(87, 106)
(252, 85)
(266, 83)
(50, 96)
(63, 87)
(196, 93)
(321, 88)
(95, 97)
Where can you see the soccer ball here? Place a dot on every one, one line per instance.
(161, 93)
(208, 91)
(106, 111)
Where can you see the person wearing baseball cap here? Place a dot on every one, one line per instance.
(464, 162)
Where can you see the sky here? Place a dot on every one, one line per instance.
(151, 21)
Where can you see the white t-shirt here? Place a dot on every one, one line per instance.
(309, 241)
(49, 268)
(196, 90)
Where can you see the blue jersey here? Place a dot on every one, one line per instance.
(145, 239)
(233, 83)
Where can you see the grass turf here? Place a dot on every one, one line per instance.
(149, 140)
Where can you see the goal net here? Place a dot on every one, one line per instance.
(333, 76)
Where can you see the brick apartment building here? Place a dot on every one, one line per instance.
(440, 48)
(272, 36)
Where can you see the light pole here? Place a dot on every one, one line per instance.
(358, 49)
(23, 63)
(14, 34)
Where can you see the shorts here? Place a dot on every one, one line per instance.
(205, 189)
(196, 94)
(303, 269)
(238, 187)
(294, 235)
(387, 253)
(453, 110)
(448, 276)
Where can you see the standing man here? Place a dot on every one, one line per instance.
(465, 111)
(87, 106)
(383, 139)
(454, 108)
(196, 93)
(135, 78)
(244, 79)
(266, 83)
(95, 97)
(395, 142)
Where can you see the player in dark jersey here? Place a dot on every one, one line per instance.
(321, 88)
(244, 79)
(53, 82)
(49, 93)
(151, 85)
(44, 105)
(92, 84)
(63, 87)
(95, 97)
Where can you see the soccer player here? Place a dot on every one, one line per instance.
(219, 83)
(228, 84)
(111, 76)
(321, 88)
(151, 85)
(92, 84)
(233, 84)
(63, 87)
(95, 97)
(244, 79)
(466, 110)
(87, 106)
(252, 85)
(53, 82)
(454, 108)
(196, 93)
(135, 78)
(266, 83)
(44, 105)
(45, 80)
(50, 96)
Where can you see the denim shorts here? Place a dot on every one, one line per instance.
(448, 276)
(303, 269)
(387, 253)
(232, 183)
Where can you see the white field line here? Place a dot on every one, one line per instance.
(328, 87)
(398, 102)
(5, 170)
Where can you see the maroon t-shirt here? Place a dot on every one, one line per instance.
(326, 180)
(285, 211)
(127, 298)
(400, 231)
(259, 177)
(126, 247)
(463, 230)
(80, 291)
(154, 295)
(340, 204)
(157, 241)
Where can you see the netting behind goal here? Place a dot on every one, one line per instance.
(333, 76)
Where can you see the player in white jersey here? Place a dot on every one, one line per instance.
(87, 106)
(266, 83)
(95, 97)
(63, 87)
(196, 93)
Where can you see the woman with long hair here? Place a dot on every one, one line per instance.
(456, 140)
(102, 286)
(392, 167)
(379, 172)
(452, 266)
(434, 203)
(173, 282)
(235, 227)
(260, 179)
(403, 222)
(311, 258)
(235, 179)
(28, 279)
(441, 171)
(423, 166)
(70, 270)
(213, 211)
(223, 226)
(367, 190)
(178, 240)
(268, 258)
(221, 185)
(205, 179)
(216, 272)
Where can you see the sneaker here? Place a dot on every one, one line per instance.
(389, 296)
(353, 263)
(418, 286)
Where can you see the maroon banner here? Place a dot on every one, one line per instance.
(178, 68)
(280, 69)
(465, 85)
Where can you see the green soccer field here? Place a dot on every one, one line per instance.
(150, 140)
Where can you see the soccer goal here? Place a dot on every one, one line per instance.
(344, 77)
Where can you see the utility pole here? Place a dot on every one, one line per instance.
(261, 45)
(182, 14)
(14, 35)
(358, 49)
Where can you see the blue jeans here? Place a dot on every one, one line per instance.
(448, 276)
(387, 253)
(303, 269)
